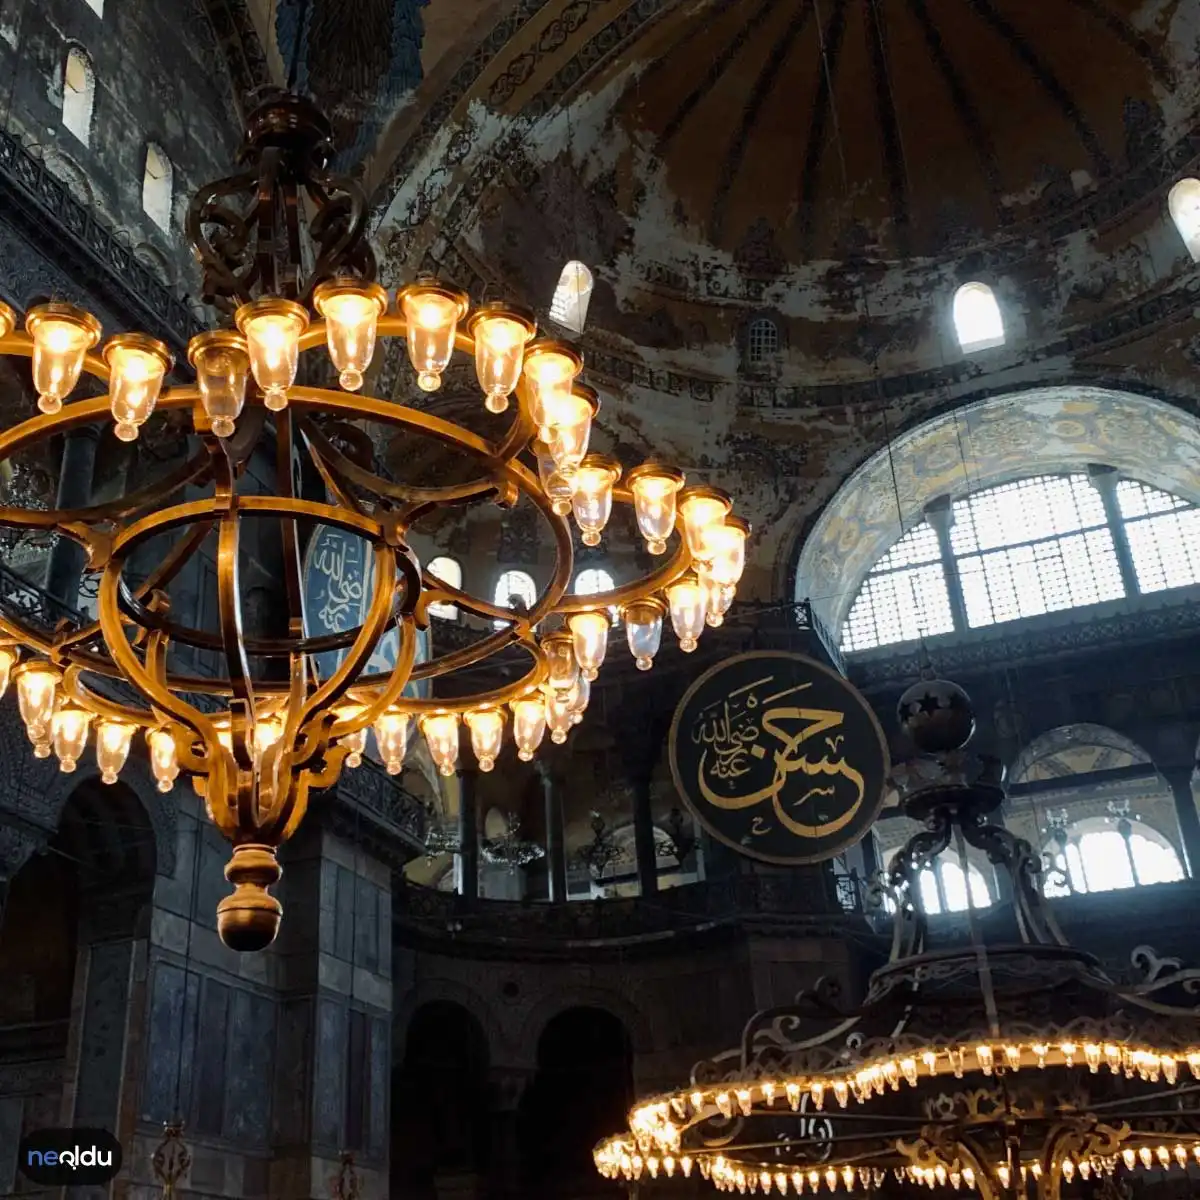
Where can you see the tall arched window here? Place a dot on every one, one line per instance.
(79, 94)
(158, 187)
(977, 319)
(1102, 855)
(762, 342)
(1183, 203)
(449, 571)
(1022, 549)
(514, 585)
(592, 580)
(944, 890)
(569, 305)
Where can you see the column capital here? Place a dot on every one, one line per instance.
(939, 512)
(1104, 477)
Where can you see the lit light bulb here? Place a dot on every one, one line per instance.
(559, 649)
(589, 637)
(355, 743)
(267, 731)
(441, 735)
(685, 599)
(701, 508)
(37, 686)
(529, 726)
(137, 366)
(718, 598)
(164, 758)
(724, 550)
(654, 502)
(8, 660)
(8, 320)
(486, 726)
(391, 739)
(557, 486)
(572, 428)
(500, 333)
(431, 314)
(643, 630)
(577, 698)
(62, 335)
(550, 371)
(351, 309)
(222, 363)
(559, 717)
(272, 327)
(112, 747)
(69, 727)
(592, 497)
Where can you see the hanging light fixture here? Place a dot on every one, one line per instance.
(285, 260)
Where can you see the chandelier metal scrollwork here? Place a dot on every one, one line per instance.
(256, 740)
(1007, 1064)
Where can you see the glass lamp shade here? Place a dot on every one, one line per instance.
(391, 739)
(718, 599)
(62, 335)
(351, 309)
(8, 660)
(559, 716)
(441, 736)
(589, 637)
(559, 487)
(592, 497)
(113, 739)
(272, 328)
(643, 630)
(69, 727)
(550, 371)
(500, 333)
(572, 428)
(724, 550)
(8, 320)
(701, 508)
(486, 726)
(654, 491)
(431, 314)
(137, 366)
(529, 726)
(37, 689)
(164, 758)
(354, 743)
(578, 697)
(686, 602)
(559, 650)
(222, 364)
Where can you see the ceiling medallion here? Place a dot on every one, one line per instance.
(283, 248)
(989, 1054)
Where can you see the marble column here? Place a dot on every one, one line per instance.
(643, 838)
(1105, 480)
(1180, 781)
(507, 1087)
(67, 558)
(940, 514)
(556, 850)
(468, 835)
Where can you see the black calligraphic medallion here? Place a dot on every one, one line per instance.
(779, 757)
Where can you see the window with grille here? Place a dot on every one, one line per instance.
(1102, 856)
(158, 187)
(449, 571)
(762, 342)
(592, 580)
(1022, 549)
(514, 585)
(79, 94)
(977, 319)
(1183, 203)
(569, 304)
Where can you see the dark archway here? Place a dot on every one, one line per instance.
(581, 1092)
(440, 1101)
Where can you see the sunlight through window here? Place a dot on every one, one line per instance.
(977, 319)
(1183, 203)
(79, 94)
(569, 306)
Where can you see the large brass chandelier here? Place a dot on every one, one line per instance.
(284, 253)
(994, 1059)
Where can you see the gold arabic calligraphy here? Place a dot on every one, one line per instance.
(734, 733)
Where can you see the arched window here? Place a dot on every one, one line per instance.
(762, 342)
(569, 305)
(1183, 203)
(79, 94)
(1102, 855)
(1164, 536)
(944, 890)
(449, 571)
(592, 580)
(514, 585)
(977, 319)
(158, 187)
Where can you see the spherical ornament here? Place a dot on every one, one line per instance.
(937, 715)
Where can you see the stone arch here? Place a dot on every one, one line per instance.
(978, 445)
(448, 991)
(637, 1025)
(1063, 740)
